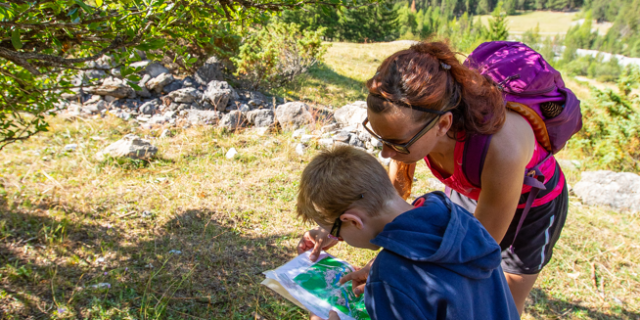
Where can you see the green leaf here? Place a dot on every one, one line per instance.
(15, 39)
(192, 60)
(135, 86)
(85, 7)
(99, 3)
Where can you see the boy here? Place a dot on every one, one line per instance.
(437, 262)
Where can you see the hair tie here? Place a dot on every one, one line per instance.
(445, 66)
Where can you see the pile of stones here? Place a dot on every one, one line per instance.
(163, 99)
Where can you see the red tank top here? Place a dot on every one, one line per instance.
(457, 181)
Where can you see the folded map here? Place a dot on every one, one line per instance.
(315, 286)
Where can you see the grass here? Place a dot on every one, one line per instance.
(341, 78)
(551, 23)
(186, 235)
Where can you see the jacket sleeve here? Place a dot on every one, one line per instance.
(385, 302)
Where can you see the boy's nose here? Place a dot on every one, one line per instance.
(387, 152)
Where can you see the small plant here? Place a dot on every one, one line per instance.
(277, 53)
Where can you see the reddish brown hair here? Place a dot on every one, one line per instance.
(429, 76)
(339, 178)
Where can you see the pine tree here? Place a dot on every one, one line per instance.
(498, 30)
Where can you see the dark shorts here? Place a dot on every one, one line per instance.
(539, 233)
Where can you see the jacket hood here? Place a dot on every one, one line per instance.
(442, 233)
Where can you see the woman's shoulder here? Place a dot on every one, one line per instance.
(515, 141)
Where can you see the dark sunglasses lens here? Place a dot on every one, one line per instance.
(400, 149)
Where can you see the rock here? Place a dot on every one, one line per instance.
(203, 117)
(329, 128)
(327, 143)
(618, 190)
(294, 115)
(342, 137)
(300, 149)
(376, 143)
(209, 71)
(71, 147)
(354, 141)
(122, 115)
(255, 103)
(158, 83)
(233, 120)
(130, 146)
(351, 114)
(95, 108)
(188, 82)
(306, 138)
(231, 153)
(155, 69)
(93, 74)
(131, 104)
(93, 99)
(298, 133)
(150, 106)
(258, 98)
(384, 161)
(435, 184)
(112, 87)
(219, 93)
(186, 95)
(244, 108)
(166, 133)
(173, 86)
(110, 99)
(141, 64)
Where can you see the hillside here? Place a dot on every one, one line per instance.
(187, 235)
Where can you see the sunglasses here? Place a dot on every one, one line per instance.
(335, 229)
(402, 148)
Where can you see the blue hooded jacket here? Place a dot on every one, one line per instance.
(438, 262)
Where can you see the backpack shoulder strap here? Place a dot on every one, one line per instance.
(475, 151)
(537, 124)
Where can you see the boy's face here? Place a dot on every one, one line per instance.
(357, 228)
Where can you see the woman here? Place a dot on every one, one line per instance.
(424, 104)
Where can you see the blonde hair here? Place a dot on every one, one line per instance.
(339, 179)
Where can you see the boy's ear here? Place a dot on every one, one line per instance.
(352, 217)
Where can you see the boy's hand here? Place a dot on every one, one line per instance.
(317, 240)
(332, 316)
(358, 278)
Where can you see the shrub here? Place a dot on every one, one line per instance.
(277, 53)
(610, 136)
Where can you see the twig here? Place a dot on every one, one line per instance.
(594, 279)
(52, 179)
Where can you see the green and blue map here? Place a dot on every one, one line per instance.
(322, 280)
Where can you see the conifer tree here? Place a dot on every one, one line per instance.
(498, 30)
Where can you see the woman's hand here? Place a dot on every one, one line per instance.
(358, 278)
(316, 239)
(332, 316)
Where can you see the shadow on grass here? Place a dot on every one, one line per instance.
(319, 77)
(548, 308)
(57, 261)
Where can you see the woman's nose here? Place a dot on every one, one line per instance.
(387, 152)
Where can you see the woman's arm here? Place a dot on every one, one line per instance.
(401, 175)
(509, 153)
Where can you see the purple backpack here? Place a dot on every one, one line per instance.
(535, 90)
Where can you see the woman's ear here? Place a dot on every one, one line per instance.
(353, 218)
(444, 124)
